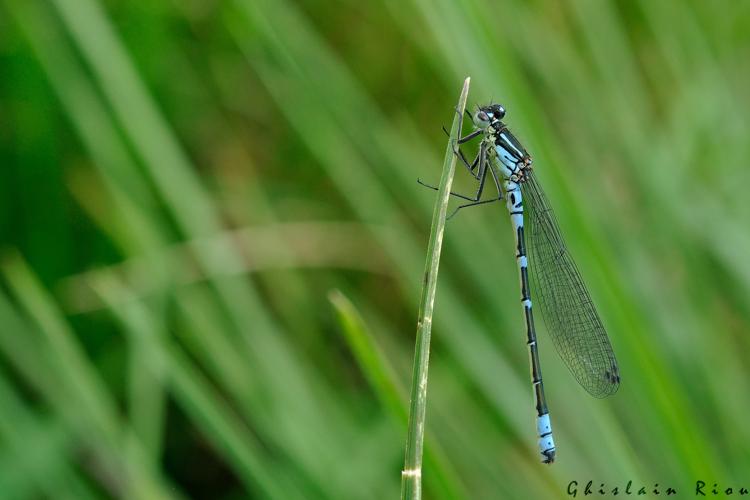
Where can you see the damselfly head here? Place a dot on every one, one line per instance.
(487, 115)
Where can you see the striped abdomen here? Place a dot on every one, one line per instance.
(512, 159)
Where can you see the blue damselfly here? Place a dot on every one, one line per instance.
(569, 313)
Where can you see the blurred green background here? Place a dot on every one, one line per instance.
(213, 242)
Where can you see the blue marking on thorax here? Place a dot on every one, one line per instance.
(509, 151)
(516, 150)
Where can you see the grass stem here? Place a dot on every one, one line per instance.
(411, 475)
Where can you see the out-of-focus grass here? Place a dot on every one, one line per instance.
(186, 182)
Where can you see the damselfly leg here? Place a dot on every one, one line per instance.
(467, 138)
(481, 176)
(469, 166)
(482, 162)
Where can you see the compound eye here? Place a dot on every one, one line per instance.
(483, 116)
(499, 112)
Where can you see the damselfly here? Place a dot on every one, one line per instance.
(569, 313)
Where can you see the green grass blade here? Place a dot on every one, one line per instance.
(193, 392)
(37, 454)
(411, 476)
(91, 400)
(379, 372)
(445, 481)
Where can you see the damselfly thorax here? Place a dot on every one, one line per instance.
(504, 146)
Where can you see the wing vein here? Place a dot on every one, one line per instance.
(569, 313)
